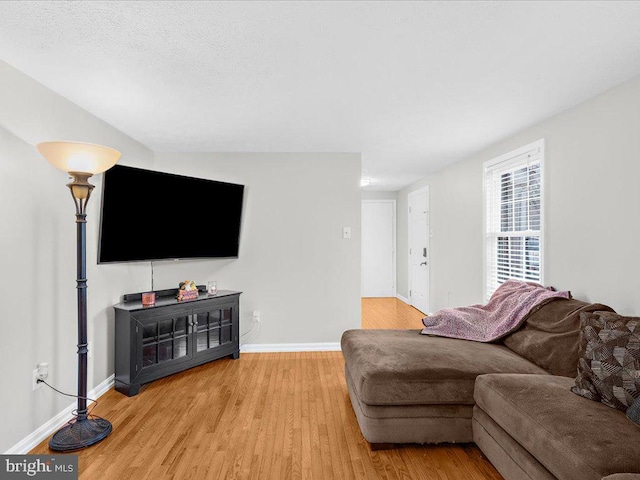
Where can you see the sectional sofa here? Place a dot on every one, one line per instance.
(511, 398)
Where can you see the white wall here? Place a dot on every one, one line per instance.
(293, 265)
(375, 195)
(37, 255)
(592, 227)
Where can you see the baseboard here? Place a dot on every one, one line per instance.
(31, 441)
(289, 347)
(405, 300)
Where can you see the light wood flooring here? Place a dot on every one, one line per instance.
(390, 313)
(264, 416)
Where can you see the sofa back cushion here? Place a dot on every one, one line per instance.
(550, 335)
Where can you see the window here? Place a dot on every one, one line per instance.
(513, 217)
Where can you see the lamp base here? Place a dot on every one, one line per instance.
(80, 433)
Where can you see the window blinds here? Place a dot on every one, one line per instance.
(513, 214)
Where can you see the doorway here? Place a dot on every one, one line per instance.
(419, 253)
(378, 248)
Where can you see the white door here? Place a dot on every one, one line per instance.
(378, 248)
(419, 249)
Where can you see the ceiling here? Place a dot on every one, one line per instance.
(412, 85)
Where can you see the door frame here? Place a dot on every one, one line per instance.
(394, 221)
(409, 282)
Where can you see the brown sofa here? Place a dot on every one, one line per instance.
(512, 398)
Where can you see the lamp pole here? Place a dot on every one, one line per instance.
(81, 279)
(82, 431)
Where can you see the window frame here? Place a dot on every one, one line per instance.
(509, 161)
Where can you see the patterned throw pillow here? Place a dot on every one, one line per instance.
(609, 359)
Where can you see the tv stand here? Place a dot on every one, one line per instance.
(171, 336)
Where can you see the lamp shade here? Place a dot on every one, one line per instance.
(79, 157)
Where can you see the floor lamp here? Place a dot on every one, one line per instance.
(80, 161)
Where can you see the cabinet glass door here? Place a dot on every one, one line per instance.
(225, 326)
(163, 339)
(213, 328)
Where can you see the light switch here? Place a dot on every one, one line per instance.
(346, 232)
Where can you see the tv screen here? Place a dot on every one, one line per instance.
(147, 215)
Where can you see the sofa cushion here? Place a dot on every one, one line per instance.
(411, 423)
(550, 335)
(402, 367)
(609, 364)
(410, 411)
(570, 436)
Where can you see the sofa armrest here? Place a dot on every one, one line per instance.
(622, 476)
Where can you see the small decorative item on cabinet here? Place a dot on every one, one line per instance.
(148, 299)
(187, 291)
(212, 287)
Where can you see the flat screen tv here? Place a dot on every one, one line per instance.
(148, 215)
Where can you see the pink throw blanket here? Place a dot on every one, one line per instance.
(503, 314)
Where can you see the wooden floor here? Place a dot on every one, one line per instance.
(264, 416)
(390, 313)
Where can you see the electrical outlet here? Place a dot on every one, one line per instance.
(40, 373)
(256, 316)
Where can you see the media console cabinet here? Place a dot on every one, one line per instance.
(171, 336)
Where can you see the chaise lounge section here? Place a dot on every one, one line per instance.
(512, 397)
(409, 388)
